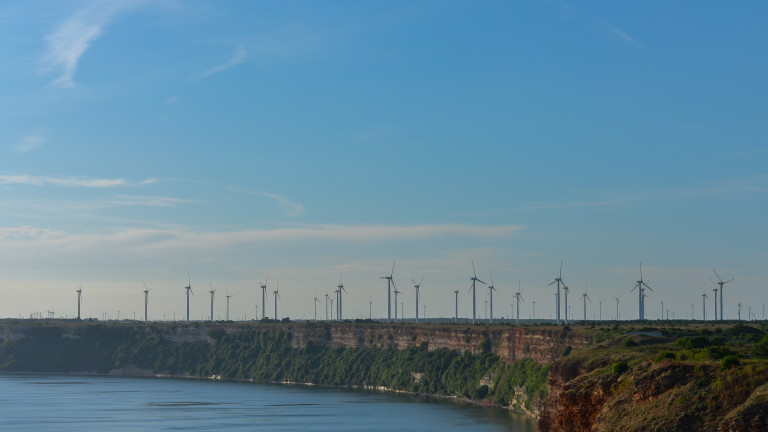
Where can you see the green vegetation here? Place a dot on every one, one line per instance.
(266, 354)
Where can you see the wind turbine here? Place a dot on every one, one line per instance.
(390, 282)
(340, 286)
(264, 298)
(617, 308)
(722, 284)
(558, 280)
(315, 304)
(456, 317)
(79, 299)
(640, 287)
(396, 293)
(228, 296)
(326, 306)
(213, 290)
(585, 297)
(417, 286)
(704, 298)
(146, 300)
(474, 279)
(518, 298)
(189, 290)
(739, 309)
(566, 290)
(277, 296)
(332, 300)
(534, 309)
(715, 291)
(336, 299)
(491, 289)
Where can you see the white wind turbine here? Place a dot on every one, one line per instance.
(146, 300)
(396, 293)
(491, 289)
(264, 298)
(417, 286)
(722, 284)
(585, 297)
(79, 298)
(640, 286)
(518, 298)
(228, 296)
(315, 304)
(390, 283)
(566, 290)
(456, 317)
(474, 279)
(340, 286)
(277, 296)
(213, 290)
(189, 290)
(558, 280)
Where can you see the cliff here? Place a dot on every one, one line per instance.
(641, 382)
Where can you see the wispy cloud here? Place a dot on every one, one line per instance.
(149, 201)
(239, 57)
(617, 33)
(30, 142)
(61, 181)
(74, 35)
(292, 208)
(178, 239)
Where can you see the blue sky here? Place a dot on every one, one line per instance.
(142, 140)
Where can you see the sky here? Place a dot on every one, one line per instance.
(152, 141)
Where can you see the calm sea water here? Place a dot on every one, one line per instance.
(92, 403)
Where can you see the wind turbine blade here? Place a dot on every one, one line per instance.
(729, 280)
(561, 269)
(393, 268)
(718, 276)
(482, 282)
(553, 282)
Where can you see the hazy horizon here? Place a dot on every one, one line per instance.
(143, 141)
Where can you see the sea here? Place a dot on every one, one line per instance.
(103, 403)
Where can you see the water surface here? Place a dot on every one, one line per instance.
(96, 403)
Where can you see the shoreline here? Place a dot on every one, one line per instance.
(143, 373)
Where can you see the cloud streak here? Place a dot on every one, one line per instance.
(62, 181)
(239, 57)
(29, 143)
(75, 34)
(292, 208)
(165, 240)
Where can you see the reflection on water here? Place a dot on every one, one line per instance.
(92, 403)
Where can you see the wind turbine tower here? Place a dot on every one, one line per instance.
(396, 293)
(315, 304)
(640, 286)
(558, 280)
(264, 298)
(491, 289)
(722, 284)
(456, 316)
(585, 297)
(617, 308)
(79, 299)
(474, 279)
(715, 291)
(704, 298)
(518, 298)
(189, 290)
(390, 282)
(277, 296)
(228, 296)
(213, 290)
(326, 306)
(566, 290)
(146, 300)
(340, 286)
(417, 286)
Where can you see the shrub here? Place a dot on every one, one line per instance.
(664, 355)
(567, 350)
(619, 367)
(729, 361)
(629, 343)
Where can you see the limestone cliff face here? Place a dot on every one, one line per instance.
(664, 396)
(543, 345)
